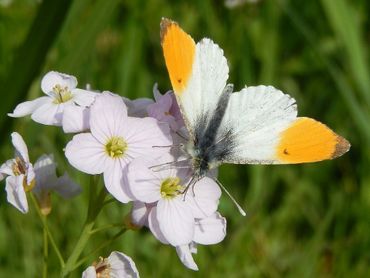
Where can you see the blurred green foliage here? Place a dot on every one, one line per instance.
(303, 220)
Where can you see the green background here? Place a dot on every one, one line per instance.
(308, 220)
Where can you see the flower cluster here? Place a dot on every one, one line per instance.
(136, 146)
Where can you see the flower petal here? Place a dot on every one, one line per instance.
(86, 154)
(139, 214)
(122, 265)
(15, 193)
(53, 78)
(108, 116)
(206, 198)
(185, 256)
(76, 119)
(137, 107)
(28, 107)
(20, 147)
(176, 221)
(144, 184)
(6, 168)
(89, 272)
(143, 134)
(83, 97)
(66, 187)
(210, 230)
(49, 113)
(113, 180)
(154, 226)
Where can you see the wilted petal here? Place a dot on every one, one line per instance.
(48, 114)
(15, 193)
(206, 198)
(183, 251)
(66, 187)
(28, 107)
(86, 154)
(20, 147)
(176, 221)
(53, 78)
(122, 265)
(154, 226)
(83, 97)
(107, 117)
(76, 119)
(210, 230)
(113, 180)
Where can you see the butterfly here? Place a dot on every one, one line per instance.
(257, 125)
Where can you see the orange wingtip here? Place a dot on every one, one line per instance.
(179, 53)
(307, 140)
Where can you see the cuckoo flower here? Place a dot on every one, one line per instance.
(114, 141)
(61, 92)
(116, 265)
(20, 174)
(165, 109)
(47, 181)
(172, 219)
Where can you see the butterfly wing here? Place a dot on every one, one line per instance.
(198, 72)
(266, 130)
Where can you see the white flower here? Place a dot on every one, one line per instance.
(61, 92)
(172, 219)
(20, 174)
(117, 265)
(210, 230)
(114, 141)
(47, 181)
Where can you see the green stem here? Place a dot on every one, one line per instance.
(97, 249)
(45, 226)
(96, 203)
(105, 227)
(46, 253)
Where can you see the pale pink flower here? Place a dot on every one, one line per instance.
(117, 265)
(165, 109)
(137, 107)
(47, 181)
(172, 219)
(210, 230)
(114, 141)
(20, 174)
(61, 92)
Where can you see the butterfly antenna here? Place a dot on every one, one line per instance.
(242, 212)
(160, 167)
(168, 146)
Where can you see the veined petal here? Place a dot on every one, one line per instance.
(185, 256)
(83, 97)
(53, 78)
(28, 107)
(122, 265)
(48, 114)
(113, 180)
(30, 174)
(154, 226)
(143, 134)
(107, 117)
(20, 147)
(139, 214)
(144, 184)
(206, 198)
(15, 193)
(210, 230)
(176, 221)
(86, 154)
(76, 119)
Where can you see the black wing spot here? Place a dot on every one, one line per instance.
(179, 80)
(286, 152)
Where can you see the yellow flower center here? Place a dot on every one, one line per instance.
(171, 187)
(62, 94)
(116, 147)
(102, 268)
